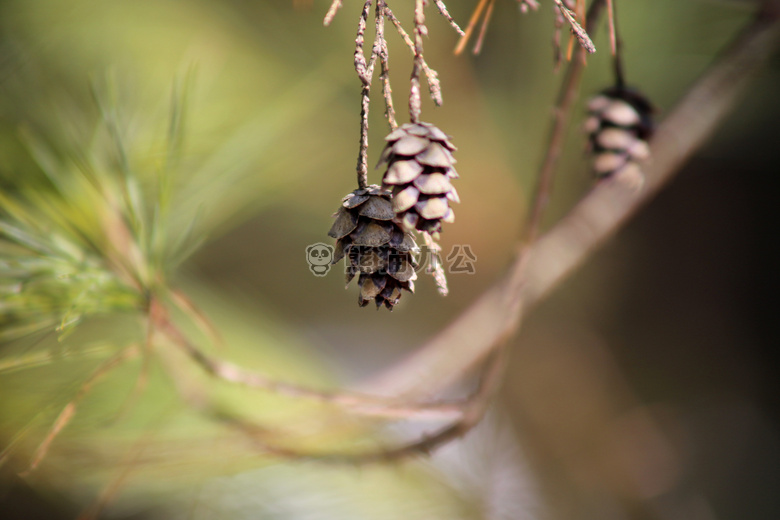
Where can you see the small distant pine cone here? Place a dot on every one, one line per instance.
(419, 169)
(619, 126)
(375, 247)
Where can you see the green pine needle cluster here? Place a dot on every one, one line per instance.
(92, 234)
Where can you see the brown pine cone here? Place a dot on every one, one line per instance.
(619, 126)
(419, 169)
(375, 247)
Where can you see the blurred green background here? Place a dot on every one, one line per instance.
(643, 389)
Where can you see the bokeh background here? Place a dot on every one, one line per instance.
(644, 388)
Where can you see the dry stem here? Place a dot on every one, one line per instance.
(580, 33)
(443, 10)
(334, 7)
(414, 86)
(436, 270)
(384, 62)
(364, 71)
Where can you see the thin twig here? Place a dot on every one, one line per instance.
(443, 10)
(364, 72)
(384, 63)
(579, 32)
(334, 7)
(420, 30)
(434, 88)
(554, 256)
(436, 269)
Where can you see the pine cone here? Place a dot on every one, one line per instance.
(618, 125)
(419, 169)
(375, 247)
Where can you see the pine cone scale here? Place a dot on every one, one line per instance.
(374, 208)
(435, 155)
(402, 172)
(433, 184)
(372, 233)
(410, 145)
(345, 223)
(433, 208)
(405, 199)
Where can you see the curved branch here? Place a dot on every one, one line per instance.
(356, 403)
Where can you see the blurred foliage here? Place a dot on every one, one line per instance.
(202, 145)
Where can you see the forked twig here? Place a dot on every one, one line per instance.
(380, 51)
(434, 87)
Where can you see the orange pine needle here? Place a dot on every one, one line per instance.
(470, 29)
(483, 30)
(570, 47)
